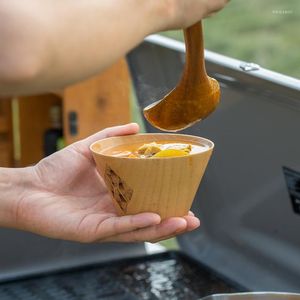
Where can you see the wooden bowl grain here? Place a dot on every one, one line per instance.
(166, 186)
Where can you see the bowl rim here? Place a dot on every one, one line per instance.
(210, 145)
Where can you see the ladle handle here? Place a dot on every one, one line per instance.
(195, 64)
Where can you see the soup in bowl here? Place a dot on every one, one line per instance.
(152, 172)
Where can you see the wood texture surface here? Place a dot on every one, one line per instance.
(166, 186)
(97, 103)
(6, 141)
(34, 120)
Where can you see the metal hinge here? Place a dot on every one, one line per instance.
(248, 66)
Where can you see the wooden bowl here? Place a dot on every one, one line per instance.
(166, 186)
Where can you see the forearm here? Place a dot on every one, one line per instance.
(13, 185)
(50, 44)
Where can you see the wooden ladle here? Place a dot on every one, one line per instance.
(195, 96)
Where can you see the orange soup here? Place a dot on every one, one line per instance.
(154, 150)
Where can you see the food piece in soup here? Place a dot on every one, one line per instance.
(171, 153)
(154, 150)
(178, 146)
(149, 149)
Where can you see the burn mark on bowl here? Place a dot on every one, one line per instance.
(121, 192)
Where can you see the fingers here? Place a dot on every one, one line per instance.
(166, 229)
(131, 128)
(118, 225)
(192, 223)
(215, 6)
(212, 7)
(182, 14)
(83, 145)
(126, 129)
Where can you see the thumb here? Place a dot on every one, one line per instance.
(131, 128)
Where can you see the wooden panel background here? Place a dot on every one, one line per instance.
(34, 120)
(6, 142)
(99, 102)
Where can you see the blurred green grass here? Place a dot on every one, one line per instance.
(264, 32)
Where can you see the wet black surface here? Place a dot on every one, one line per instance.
(164, 276)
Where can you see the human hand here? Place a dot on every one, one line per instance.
(67, 199)
(184, 13)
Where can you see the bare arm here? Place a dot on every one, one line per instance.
(13, 184)
(48, 44)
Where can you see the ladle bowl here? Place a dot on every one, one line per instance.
(195, 96)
